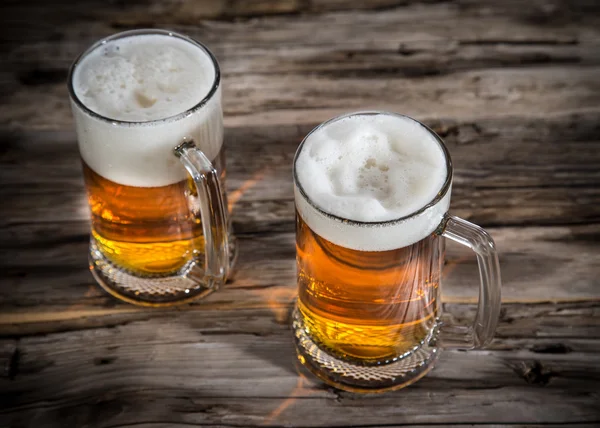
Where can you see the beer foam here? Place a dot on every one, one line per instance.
(372, 168)
(142, 78)
(145, 80)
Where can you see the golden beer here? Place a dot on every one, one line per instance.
(367, 305)
(148, 114)
(368, 201)
(372, 192)
(146, 230)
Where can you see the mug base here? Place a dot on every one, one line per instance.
(355, 377)
(153, 291)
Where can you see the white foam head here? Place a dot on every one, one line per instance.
(141, 85)
(372, 168)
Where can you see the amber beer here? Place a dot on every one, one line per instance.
(367, 305)
(372, 191)
(146, 230)
(368, 200)
(138, 98)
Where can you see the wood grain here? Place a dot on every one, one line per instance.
(508, 171)
(301, 99)
(48, 271)
(420, 59)
(236, 368)
(511, 86)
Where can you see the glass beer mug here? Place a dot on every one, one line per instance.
(147, 110)
(372, 193)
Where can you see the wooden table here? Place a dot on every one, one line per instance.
(513, 88)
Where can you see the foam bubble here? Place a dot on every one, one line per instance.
(371, 168)
(144, 78)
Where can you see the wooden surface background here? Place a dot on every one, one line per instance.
(514, 89)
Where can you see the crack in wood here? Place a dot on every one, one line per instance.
(535, 372)
(553, 348)
(9, 359)
(525, 42)
(101, 361)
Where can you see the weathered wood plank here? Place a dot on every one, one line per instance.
(410, 40)
(390, 44)
(563, 146)
(508, 171)
(238, 368)
(45, 273)
(300, 99)
(495, 425)
(524, 139)
(526, 92)
(143, 12)
(507, 21)
(487, 207)
(573, 320)
(403, 57)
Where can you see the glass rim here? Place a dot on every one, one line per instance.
(438, 197)
(143, 32)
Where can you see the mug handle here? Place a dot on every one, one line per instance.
(482, 331)
(213, 213)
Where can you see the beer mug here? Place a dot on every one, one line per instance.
(372, 192)
(147, 110)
